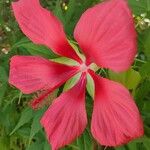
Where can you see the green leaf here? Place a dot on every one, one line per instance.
(24, 131)
(140, 6)
(120, 148)
(132, 146)
(34, 49)
(142, 143)
(70, 11)
(85, 141)
(7, 114)
(4, 143)
(133, 78)
(35, 126)
(24, 40)
(26, 116)
(3, 83)
(144, 38)
(147, 143)
(38, 50)
(36, 146)
(130, 78)
(142, 92)
(3, 74)
(46, 146)
(58, 12)
(145, 70)
(3, 90)
(71, 82)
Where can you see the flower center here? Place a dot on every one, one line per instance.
(84, 67)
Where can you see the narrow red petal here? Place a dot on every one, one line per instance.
(32, 73)
(42, 27)
(66, 118)
(115, 119)
(107, 36)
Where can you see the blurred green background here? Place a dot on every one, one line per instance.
(19, 124)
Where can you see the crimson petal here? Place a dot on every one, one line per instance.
(66, 118)
(42, 27)
(115, 119)
(32, 73)
(107, 36)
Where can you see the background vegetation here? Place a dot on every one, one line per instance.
(19, 124)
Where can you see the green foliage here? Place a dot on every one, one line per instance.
(37, 50)
(85, 141)
(26, 116)
(145, 70)
(19, 124)
(140, 6)
(130, 79)
(35, 126)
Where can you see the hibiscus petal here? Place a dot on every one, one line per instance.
(66, 118)
(107, 36)
(115, 119)
(32, 73)
(42, 27)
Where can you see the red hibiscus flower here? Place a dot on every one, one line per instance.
(106, 35)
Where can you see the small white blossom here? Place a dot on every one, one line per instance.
(147, 20)
(143, 15)
(7, 29)
(4, 50)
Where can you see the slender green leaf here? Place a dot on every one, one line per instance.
(85, 141)
(26, 116)
(35, 126)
